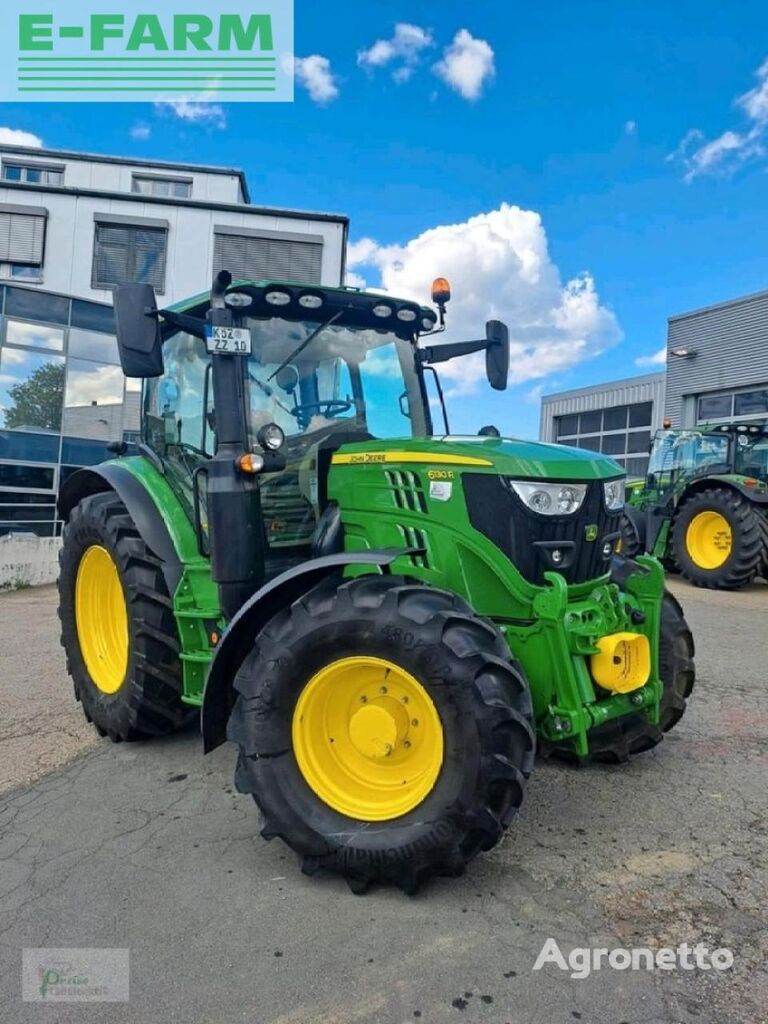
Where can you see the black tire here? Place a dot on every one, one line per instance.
(148, 703)
(747, 548)
(621, 739)
(630, 537)
(762, 520)
(480, 694)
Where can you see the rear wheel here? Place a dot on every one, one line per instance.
(383, 731)
(716, 539)
(619, 740)
(117, 625)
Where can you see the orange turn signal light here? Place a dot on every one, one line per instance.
(251, 462)
(441, 291)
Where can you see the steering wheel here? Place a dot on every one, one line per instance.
(329, 409)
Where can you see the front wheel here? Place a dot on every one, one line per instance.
(383, 730)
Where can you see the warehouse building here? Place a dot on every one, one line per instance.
(72, 227)
(717, 372)
(617, 419)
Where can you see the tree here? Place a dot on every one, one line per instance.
(37, 401)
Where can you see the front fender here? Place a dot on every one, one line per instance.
(240, 635)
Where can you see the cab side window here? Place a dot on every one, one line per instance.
(175, 413)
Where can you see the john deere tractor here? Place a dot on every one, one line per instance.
(703, 508)
(380, 617)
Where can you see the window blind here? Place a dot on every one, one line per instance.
(263, 258)
(22, 237)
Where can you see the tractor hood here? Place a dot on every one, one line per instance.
(503, 456)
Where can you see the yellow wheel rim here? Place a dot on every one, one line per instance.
(102, 619)
(708, 540)
(367, 738)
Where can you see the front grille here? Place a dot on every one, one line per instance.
(529, 539)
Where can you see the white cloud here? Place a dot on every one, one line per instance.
(755, 102)
(194, 112)
(315, 74)
(353, 280)
(140, 131)
(467, 65)
(404, 49)
(657, 359)
(18, 137)
(733, 148)
(500, 268)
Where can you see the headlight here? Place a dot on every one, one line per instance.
(550, 499)
(614, 494)
(271, 437)
(278, 298)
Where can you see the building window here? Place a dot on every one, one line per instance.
(267, 257)
(52, 410)
(22, 241)
(621, 431)
(738, 405)
(129, 252)
(176, 188)
(34, 335)
(34, 174)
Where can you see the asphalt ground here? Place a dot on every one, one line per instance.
(147, 846)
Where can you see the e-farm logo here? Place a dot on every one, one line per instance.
(90, 51)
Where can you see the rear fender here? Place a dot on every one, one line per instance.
(240, 635)
(140, 505)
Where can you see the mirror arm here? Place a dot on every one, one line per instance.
(442, 353)
(190, 324)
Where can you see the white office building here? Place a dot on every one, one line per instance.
(72, 227)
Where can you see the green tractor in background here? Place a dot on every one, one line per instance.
(381, 618)
(703, 508)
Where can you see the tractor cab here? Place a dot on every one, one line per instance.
(678, 456)
(321, 370)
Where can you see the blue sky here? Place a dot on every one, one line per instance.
(580, 114)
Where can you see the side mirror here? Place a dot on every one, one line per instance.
(497, 354)
(138, 334)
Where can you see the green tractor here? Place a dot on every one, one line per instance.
(703, 508)
(382, 618)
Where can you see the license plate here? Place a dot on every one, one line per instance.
(228, 341)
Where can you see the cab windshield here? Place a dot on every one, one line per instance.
(354, 383)
(312, 381)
